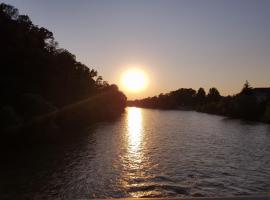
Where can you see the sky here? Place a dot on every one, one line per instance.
(178, 43)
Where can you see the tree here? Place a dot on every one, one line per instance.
(213, 94)
(31, 63)
(183, 96)
(247, 89)
(8, 11)
(267, 113)
(200, 96)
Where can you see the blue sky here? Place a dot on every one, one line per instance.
(181, 43)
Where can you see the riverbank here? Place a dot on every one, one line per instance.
(55, 125)
(249, 104)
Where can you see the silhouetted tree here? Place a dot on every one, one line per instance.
(213, 95)
(37, 77)
(247, 89)
(242, 105)
(200, 96)
(267, 112)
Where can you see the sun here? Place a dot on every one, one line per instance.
(134, 80)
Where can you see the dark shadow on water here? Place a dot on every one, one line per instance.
(242, 121)
(26, 172)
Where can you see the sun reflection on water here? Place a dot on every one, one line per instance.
(134, 132)
(136, 163)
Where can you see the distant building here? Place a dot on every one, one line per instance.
(261, 94)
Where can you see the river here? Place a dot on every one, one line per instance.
(149, 153)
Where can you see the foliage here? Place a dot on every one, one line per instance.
(267, 113)
(247, 89)
(37, 77)
(243, 105)
(9, 118)
(213, 95)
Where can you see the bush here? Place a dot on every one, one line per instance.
(32, 105)
(267, 113)
(9, 118)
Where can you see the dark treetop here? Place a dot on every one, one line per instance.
(43, 85)
(250, 103)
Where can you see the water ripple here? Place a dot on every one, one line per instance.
(148, 153)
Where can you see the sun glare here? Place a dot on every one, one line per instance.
(134, 80)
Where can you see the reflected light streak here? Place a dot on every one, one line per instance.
(136, 163)
(134, 132)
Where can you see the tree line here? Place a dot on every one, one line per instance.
(250, 103)
(41, 83)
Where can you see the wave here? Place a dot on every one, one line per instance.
(176, 189)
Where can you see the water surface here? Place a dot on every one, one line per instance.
(149, 153)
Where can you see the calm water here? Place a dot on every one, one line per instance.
(149, 153)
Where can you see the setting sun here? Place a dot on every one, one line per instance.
(134, 80)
